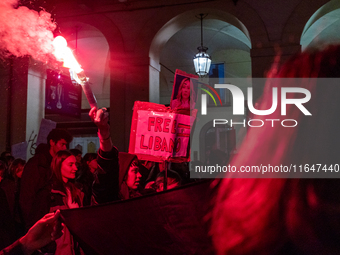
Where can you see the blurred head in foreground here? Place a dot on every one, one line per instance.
(288, 215)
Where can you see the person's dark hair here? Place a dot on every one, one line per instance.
(16, 163)
(89, 157)
(85, 169)
(183, 170)
(170, 174)
(8, 160)
(56, 165)
(5, 153)
(57, 134)
(76, 152)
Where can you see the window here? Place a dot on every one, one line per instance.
(216, 76)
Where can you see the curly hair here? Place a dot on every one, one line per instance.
(57, 134)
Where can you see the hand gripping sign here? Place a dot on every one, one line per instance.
(159, 133)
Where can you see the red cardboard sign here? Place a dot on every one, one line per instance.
(159, 133)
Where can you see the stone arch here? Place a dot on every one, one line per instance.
(171, 27)
(104, 25)
(95, 44)
(323, 24)
(322, 11)
(299, 20)
(180, 21)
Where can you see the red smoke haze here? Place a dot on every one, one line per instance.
(24, 31)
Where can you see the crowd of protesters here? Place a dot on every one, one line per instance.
(250, 216)
(57, 178)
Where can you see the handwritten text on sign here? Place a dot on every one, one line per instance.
(162, 133)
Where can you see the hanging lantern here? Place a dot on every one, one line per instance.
(202, 60)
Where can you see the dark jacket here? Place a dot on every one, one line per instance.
(12, 190)
(41, 193)
(35, 188)
(106, 184)
(7, 228)
(65, 245)
(105, 189)
(9, 186)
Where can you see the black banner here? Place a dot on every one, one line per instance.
(170, 222)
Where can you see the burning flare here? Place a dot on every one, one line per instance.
(64, 54)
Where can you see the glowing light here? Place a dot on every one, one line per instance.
(65, 54)
(59, 42)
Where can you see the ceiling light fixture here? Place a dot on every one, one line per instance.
(202, 60)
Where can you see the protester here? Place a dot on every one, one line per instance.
(4, 154)
(90, 162)
(105, 187)
(155, 169)
(287, 216)
(173, 180)
(129, 175)
(65, 192)
(36, 178)
(183, 170)
(78, 154)
(12, 188)
(16, 168)
(7, 158)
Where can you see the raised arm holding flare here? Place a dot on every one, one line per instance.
(106, 185)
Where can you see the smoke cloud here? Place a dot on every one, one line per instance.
(24, 31)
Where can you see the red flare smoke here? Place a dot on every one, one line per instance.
(24, 31)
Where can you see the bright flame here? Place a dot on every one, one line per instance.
(64, 54)
(59, 42)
